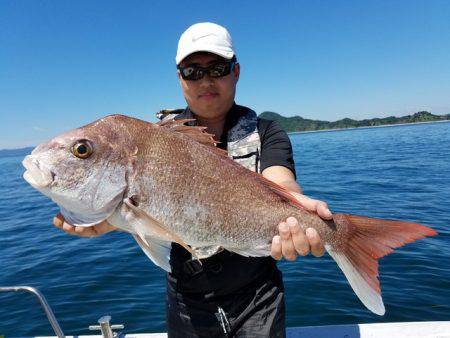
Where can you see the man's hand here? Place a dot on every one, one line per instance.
(293, 241)
(92, 231)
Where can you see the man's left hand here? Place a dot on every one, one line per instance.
(293, 240)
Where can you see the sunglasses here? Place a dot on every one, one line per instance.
(216, 70)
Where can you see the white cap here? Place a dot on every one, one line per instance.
(205, 37)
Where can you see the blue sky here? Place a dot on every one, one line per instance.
(66, 63)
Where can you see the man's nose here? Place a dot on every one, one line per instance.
(206, 80)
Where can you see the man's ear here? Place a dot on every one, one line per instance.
(237, 71)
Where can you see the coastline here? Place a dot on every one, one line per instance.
(14, 151)
(365, 127)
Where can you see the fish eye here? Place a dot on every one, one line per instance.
(82, 149)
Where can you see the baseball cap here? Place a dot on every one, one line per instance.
(205, 37)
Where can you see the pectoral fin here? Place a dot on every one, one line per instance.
(158, 251)
(148, 228)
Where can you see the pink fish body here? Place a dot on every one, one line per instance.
(168, 183)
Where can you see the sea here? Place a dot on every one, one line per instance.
(399, 172)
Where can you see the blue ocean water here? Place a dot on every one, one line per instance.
(400, 172)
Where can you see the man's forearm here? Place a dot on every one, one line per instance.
(282, 176)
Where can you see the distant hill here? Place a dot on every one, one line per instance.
(297, 123)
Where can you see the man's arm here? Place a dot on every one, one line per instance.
(292, 240)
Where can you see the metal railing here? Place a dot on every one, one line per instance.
(48, 311)
(104, 322)
(106, 328)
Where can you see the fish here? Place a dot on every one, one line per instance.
(169, 182)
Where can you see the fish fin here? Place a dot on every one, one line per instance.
(198, 133)
(158, 251)
(146, 226)
(141, 235)
(366, 293)
(259, 251)
(367, 240)
(172, 123)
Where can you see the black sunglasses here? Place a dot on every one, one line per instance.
(215, 70)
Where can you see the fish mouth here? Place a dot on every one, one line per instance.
(36, 174)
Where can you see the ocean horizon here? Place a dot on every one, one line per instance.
(29, 148)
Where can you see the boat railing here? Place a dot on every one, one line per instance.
(104, 322)
(48, 311)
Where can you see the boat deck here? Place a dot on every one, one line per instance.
(380, 330)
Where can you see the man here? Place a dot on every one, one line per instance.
(229, 295)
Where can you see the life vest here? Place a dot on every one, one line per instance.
(243, 141)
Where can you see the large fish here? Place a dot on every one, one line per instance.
(167, 182)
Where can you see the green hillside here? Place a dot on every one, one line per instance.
(297, 123)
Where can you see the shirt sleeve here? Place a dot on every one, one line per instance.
(276, 148)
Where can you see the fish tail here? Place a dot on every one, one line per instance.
(367, 240)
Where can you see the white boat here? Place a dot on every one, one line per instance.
(379, 330)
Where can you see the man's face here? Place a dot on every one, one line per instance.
(209, 98)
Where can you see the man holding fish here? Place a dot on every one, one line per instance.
(206, 206)
(208, 72)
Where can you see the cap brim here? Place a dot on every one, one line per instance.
(227, 54)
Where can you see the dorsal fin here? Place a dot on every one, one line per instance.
(197, 133)
(172, 123)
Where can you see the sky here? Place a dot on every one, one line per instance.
(66, 63)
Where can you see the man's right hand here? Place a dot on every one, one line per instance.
(92, 231)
